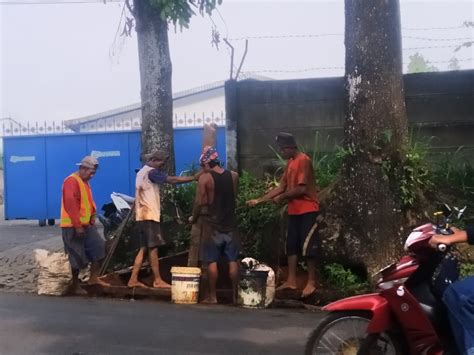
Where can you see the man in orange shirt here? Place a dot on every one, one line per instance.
(82, 242)
(298, 188)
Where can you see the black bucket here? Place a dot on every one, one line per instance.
(252, 289)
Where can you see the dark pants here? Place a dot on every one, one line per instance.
(302, 233)
(459, 299)
(150, 234)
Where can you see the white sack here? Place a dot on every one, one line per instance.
(54, 272)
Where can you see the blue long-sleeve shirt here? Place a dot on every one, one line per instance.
(470, 234)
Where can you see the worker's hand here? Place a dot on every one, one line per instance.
(92, 221)
(445, 239)
(79, 232)
(252, 203)
(438, 239)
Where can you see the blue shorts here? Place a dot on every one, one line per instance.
(83, 250)
(220, 244)
(459, 299)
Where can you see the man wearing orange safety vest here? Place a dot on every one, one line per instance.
(82, 242)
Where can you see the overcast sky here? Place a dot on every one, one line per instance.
(64, 61)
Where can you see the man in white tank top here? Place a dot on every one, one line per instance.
(148, 213)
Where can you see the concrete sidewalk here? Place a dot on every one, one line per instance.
(18, 240)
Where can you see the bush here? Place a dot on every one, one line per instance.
(257, 225)
(343, 279)
(467, 270)
(455, 171)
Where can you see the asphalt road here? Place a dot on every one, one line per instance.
(32, 324)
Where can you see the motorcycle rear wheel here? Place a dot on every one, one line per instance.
(344, 333)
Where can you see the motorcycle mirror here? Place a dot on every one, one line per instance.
(460, 212)
(446, 210)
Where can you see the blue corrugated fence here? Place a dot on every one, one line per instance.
(35, 166)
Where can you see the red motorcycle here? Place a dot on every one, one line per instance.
(406, 314)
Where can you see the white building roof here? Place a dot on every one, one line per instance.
(134, 107)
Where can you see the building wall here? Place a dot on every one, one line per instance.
(438, 105)
(205, 105)
(192, 110)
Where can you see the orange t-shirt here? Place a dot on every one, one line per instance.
(299, 171)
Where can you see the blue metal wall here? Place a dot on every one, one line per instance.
(35, 166)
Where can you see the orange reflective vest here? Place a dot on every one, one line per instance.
(86, 205)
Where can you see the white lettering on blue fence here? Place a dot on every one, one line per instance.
(106, 154)
(19, 159)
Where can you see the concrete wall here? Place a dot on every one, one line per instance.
(439, 105)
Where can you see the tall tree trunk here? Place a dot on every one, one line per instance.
(375, 129)
(155, 76)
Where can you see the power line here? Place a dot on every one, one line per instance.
(292, 70)
(430, 47)
(286, 36)
(434, 28)
(334, 67)
(225, 23)
(338, 35)
(114, 43)
(448, 61)
(438, 39)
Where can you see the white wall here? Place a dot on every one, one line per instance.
(204, 107)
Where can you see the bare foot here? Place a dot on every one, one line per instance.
(136, 284)
(209, 301)
(287, 286)
(98, 281)
(161, 284)
(308, 290)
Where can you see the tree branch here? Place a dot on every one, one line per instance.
(129, 7)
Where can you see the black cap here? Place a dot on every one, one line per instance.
(285, 140)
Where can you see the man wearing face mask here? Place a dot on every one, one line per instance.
(82, 242)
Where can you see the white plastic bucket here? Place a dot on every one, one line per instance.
(185, 284)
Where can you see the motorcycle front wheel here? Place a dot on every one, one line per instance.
(344, 333)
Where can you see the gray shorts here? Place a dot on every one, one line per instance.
(150, 234)
(83, 250)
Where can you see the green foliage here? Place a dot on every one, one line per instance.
(454, 64)
(257, 223)
(343, 279)
(455, 171)
(179, 203)
(326, 160)
(413, 176)
(179, 12)
(418, 64)
(467, 270)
